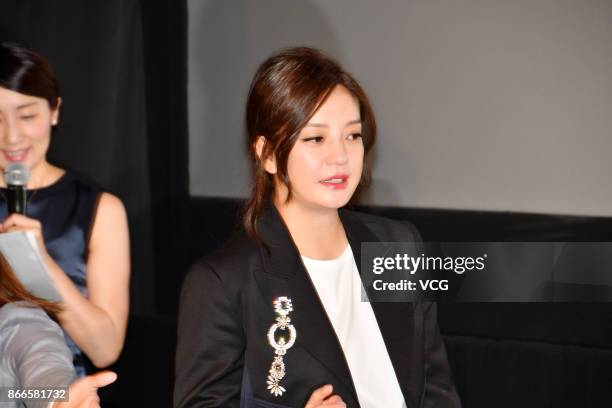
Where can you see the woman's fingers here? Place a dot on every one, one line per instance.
(17, 228)
(102, 379)
(319, 395)
(322, 397)
(334, 402)
(21, 223)
(84, 392)
(20, 220)
(334, 399)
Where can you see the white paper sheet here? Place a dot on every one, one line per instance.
(21, 252)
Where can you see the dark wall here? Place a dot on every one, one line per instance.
(502, 354)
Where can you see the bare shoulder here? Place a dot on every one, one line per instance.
(110, 218)
(110, 204)
(110, 209)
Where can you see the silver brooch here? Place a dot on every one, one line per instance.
(282, 307)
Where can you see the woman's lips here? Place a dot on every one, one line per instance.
(15, 155)
(338, 182)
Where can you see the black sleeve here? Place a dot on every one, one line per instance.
(439, 387)
(210, 343)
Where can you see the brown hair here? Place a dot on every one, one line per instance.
(26, 72)
(286, 91)
(12, 290)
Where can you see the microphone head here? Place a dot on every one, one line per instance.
(16, 174)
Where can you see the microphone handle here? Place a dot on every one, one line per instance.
(16, 196)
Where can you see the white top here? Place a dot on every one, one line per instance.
(339, 287)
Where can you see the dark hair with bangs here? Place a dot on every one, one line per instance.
(24, 71)
(286, 91)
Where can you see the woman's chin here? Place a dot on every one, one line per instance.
(336, 202)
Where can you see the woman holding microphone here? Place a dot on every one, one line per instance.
(81, 231)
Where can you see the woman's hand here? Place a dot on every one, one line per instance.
(322, 397)
(21, 223)
(97, 323)
(83, 393)
(18, 222)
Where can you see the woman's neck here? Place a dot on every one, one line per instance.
(317, 233)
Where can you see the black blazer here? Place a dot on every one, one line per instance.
(223, 356)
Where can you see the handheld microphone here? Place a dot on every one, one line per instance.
(16, 176)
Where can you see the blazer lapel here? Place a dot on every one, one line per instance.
(395, 320)
(315, 332)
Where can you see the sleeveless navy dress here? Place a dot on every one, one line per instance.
(66, 210)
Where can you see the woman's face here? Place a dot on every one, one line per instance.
(325, 164)
(25, 128)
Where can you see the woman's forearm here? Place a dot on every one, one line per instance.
(89, 326)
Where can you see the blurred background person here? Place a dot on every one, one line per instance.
(81, 231)
(34, 352)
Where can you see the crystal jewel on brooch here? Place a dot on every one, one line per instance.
(282, 307)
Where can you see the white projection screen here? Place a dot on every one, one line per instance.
(485, 105)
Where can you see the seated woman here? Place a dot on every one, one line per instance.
(274, 318)
(81, 231)
(33, 351)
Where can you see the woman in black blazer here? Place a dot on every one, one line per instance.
(274, 318)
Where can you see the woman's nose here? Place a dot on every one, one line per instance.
(10, 132)
(337, 153)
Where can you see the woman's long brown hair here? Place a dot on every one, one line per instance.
(286, 91)
(12, 290)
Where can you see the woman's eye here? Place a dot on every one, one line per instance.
(27, 117)
(354, 136)
(313, 139)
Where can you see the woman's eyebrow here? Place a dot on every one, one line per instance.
(25, 105)
(350, 122)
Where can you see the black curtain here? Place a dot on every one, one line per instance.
(121, 65)
(122, 68)
(165, 51)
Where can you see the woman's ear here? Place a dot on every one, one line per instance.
(55, 113)
(269, 162)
